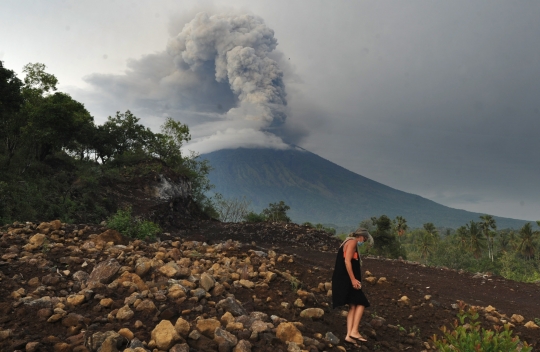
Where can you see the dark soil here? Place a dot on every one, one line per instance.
(407, 327)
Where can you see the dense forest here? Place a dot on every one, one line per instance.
(53, 156)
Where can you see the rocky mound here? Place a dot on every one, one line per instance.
(86, 288)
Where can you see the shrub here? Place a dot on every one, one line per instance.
(135, 227)
(467, 335)
(254, 217)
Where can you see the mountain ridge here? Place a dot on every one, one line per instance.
(320, 191)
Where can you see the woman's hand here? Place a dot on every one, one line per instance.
(357, 284)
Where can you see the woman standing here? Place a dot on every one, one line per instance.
(347, 282)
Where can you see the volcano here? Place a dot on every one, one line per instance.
(320, 191)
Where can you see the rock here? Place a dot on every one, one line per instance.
(531, 325)
(165, 335)
(75, 300)
(106, 302)
(72, 319)
(314, 313)
(242, 346)
(125, 332)
(182, 327)
(381, 280)
(427, 297)
(377, 322)
(371, 279)
(50, 280)
(170, 269)
(517, 319)
(207, 282)
(103, 273)
(109, 345)
(489, 309)
(132, 278)
(330, 337)
(143, 266)
(181, 347)
(147, 306)
(259, 326)
(81, 276)
(229, 304)
(404, 300)
(37, 240)
(62, 347)
(223, 337)
(32, 347)
(124, 313)
(208, 326)
(5, 334)
(110, 236)
(99, 338)
(288, 332)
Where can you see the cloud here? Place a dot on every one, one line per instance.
(220, 74)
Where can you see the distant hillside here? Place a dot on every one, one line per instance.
(320, 191)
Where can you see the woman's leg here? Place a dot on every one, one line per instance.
(353, 321)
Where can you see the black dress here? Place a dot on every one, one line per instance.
(343, 291)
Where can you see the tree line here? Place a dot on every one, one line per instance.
(49, 141)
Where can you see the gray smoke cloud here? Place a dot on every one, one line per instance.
(219, 75)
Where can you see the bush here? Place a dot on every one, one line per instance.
(135, 227)
(467, 335)
(254, 217)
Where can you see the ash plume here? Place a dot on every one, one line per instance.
(216, 75)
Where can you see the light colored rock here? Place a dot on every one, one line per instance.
(128, 334)
(427, 297)
(37, 240)
(404, 300)
(531, 325)
(207, 282)
(288, 332)
(242, 346)
(5, 334)
(143, 266)
(124, 313)
(517, 319)
(381, 280)
(299, 303)
(208, 326)
(170, 269)
(147, 306)
(230, 304)
(182, 327)
(32, 347)
(371, 279)
(106, 302)
(103, 273)
(247, 283)
(75, 300)
(165, 335)
(314, 313)
(259, 326)
(181, 347)
(489, 309)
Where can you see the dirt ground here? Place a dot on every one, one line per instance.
(407, 327)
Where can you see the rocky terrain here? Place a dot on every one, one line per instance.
(226, 287)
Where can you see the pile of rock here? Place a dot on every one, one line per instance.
(85, 288)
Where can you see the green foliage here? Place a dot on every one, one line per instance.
(277, 212)
(254, 217)
(386, 242)
(515, 267)
(135, 227)
(467, 335)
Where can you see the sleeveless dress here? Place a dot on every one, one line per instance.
(343, 291)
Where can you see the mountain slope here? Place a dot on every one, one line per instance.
(320, 191)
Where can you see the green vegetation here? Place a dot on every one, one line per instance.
(467, 335)
(276, 212)
(54, 160)
(131, 226)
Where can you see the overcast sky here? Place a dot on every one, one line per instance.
(436, 98)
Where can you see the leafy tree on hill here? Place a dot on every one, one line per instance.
(528, 241)
(277, 212)
(477, 243)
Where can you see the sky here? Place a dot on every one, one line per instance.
(438, 98)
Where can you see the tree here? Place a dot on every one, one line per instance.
(528, 238)
(476, 239)
(431, 229)
(232, 209)
(11, 101)
(425, 243)
(463, 238)
(386, 242)
(277, 212)
(400, 225)
(487, 224)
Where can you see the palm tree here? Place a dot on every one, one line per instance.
(400, 225)
(476, 239)
(527, 244)
(463, 238)
(425, 243)
(487, 225)
(431, 229)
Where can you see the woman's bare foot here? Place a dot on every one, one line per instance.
(358, 338)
